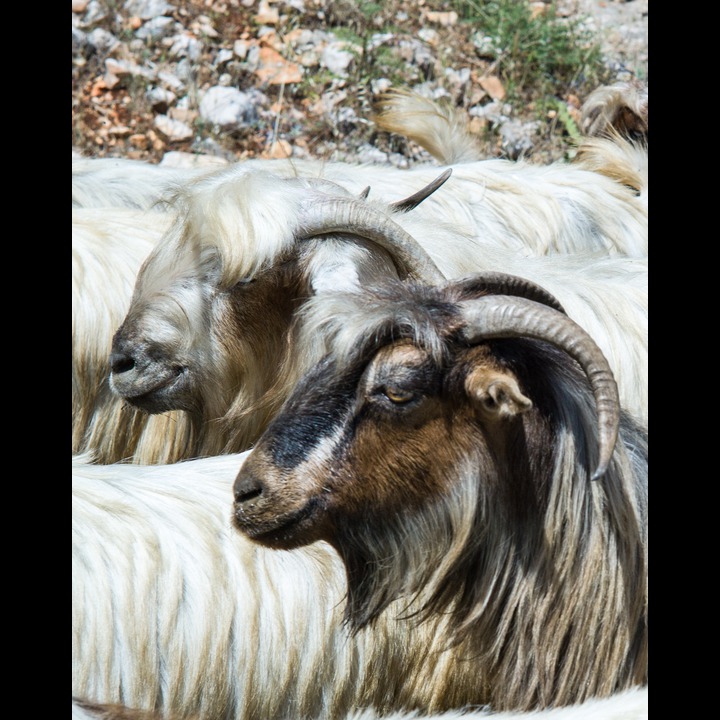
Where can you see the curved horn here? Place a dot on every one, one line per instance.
(324, 215)
(415, 199)
(498, 316)
(497, 283)
(409, 203)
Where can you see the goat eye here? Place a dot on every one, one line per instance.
(244, 284)
(397, 395)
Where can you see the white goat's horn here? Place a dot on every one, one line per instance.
(323, 215)
(497, 283)
(409, 203)
(500, 316)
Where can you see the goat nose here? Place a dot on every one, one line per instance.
(121, 362)
(247, 487)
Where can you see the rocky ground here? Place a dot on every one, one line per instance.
(200, 79)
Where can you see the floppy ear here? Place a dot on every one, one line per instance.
(496, 393)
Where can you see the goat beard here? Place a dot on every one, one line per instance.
(436, 572)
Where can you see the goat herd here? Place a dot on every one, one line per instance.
(354, 442)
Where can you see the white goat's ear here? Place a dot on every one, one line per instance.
(496, 392)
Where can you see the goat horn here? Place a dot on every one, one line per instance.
(325, 215)
(498, 316)
(497, 283)
(364, 193)
(409, 203)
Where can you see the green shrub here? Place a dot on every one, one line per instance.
(534, 56)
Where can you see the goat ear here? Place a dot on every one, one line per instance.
(496, 393)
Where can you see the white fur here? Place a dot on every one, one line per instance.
(629, 705)
(119, 182)
(175, 611)
(490, 215)
(108, 247)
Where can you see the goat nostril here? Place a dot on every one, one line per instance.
(239, 497)
(120, 362)
(246, 488)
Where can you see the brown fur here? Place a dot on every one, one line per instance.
(454, 480)
(618, 109)
(258, 327)
(112, 711)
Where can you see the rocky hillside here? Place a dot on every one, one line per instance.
(165, 81)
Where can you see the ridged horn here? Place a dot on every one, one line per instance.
(497, 283)
(324, 215)
(409, 203)
(500, 316)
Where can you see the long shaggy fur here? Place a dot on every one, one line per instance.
(236, 227)
(596, 203)
(108, 248)
(532, 209)
(123, 183)
(173, 611)
(436, 126)
(540, 572)
(613, 120)
(629, 705)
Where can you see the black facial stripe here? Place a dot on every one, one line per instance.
(315, 410)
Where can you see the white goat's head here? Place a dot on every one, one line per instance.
(209, 325)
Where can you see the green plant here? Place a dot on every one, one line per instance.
(567, 121)
(536, 55)
(370, 9)
(313, 85)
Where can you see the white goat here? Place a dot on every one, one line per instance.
(557, 208)
(176, 612)
(614, 122)
(451, 455)
(598, 202)
(539, 209)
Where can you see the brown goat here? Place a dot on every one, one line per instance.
(448, 458)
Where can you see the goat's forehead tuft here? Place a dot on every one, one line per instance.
(248, 218)
(357, 324)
